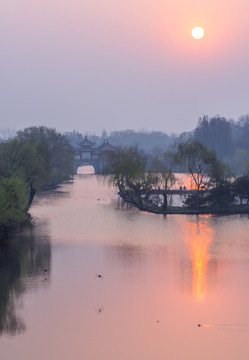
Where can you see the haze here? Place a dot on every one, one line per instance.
(91, 64)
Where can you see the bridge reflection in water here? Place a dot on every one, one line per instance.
(199, 238)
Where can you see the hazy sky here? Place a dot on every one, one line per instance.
(130, 64)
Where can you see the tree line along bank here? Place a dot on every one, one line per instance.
(37, 158)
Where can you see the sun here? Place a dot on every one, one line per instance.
(197, 32)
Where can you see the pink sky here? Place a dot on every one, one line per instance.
(91, 64)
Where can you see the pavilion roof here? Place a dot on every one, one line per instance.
(86, 143)
(106, 146)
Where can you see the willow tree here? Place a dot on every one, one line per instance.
(165, 179)
(199, 162)
(127, 166)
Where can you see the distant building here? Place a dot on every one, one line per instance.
(88, 154)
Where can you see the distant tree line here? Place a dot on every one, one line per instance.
(228, 138)
(147, 141)
(36, 158)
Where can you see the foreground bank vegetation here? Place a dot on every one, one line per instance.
(150, 186)
(37, 158)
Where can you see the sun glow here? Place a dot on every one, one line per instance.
(199, 239)
(197, 33)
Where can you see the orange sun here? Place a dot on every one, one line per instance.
(197, 32)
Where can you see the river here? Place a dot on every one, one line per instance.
(96, 280)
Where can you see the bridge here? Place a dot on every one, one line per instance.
(88, 154)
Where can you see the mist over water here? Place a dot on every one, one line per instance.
(102, 281)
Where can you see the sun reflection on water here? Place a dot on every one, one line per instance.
(199, 238)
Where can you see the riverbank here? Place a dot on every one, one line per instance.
(179, 210)
(185, 210)
(14, 228)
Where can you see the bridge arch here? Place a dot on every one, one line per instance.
(86, 170)
(78, 163)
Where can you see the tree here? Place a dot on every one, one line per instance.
(238, 161)
(219, 173)
(243, 124)
(246, 166)
(164, 176)
(198, 161)
(24, 168)
(127, 167)
(27, 161)
(13, 200)
(216, 134)
(222, 195)
(241, 187)
(37, 158)
(61, 152)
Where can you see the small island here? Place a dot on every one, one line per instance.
(216, 190)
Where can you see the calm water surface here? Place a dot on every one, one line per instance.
(159, 279)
